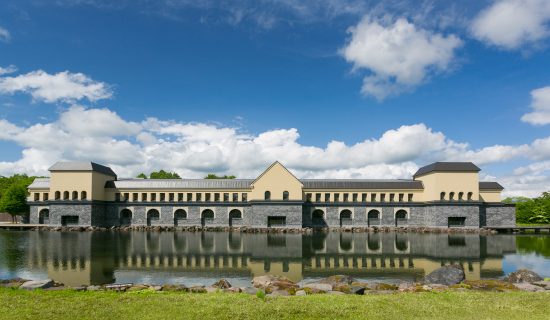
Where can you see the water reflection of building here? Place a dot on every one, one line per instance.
(94, 258)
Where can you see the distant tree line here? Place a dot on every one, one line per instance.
(162, 174)
(13, 194)
(532, 210)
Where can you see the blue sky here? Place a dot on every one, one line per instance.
(331, 88)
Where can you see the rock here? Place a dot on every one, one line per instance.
(173, 287)
(336, 292)
(273, 283)
(118, 287)
(233, 290)
(358, 290)
(222, 284)
(250, 290)
(197, 289)
(37, 284)
(544, 283)
(318, 286)
(523, 275)
(211, 289)
(138, 287)
(301, 293)
(447, 275)
(488, 285)
(93, 288)
(380, 292)
(406, 286)
(156, 288)
(526, 286)
(12, 283)
(385, 286)
(337, 280)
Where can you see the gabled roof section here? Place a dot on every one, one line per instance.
(274, 164)
(82, 166)
(447, 167)
(40, 183)
(489, 185)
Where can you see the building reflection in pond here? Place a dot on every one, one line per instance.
(95, 258)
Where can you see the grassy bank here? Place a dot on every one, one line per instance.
(20, 304)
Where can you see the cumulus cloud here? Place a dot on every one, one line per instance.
(4, 34)
(397, 55)
(60, 87)
(7, 70)
(510, 24)
(194, 149)
(540, 103)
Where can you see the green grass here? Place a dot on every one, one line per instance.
(17, 304)
(519, 224)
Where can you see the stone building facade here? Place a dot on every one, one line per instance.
(442, 194)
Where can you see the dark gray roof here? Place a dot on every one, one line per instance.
(489, 185)
(360, 184)
(40, 183)
(82, 166)
(447, 167)
(180, 183)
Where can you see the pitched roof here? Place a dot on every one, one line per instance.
(447, 167)
(180, 183)
(489, 185)
(361, 184)
(82, 166)
(40, 183)
(269, 168)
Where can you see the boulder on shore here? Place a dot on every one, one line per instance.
(447, 275)
(37, 284)
(222, 284)
(523, 275)
(272, 283)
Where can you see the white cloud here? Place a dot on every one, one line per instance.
(193, 149)
(7, 70)
(510, 24)
(60, 87)
(4, 35)
(540, 103)
(397, 54)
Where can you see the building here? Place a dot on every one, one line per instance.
(442, 194)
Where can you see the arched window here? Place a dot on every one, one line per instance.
(83, 195)
(267, 195)
(153, 217)
(207, 217)
(235, 216)
(179, 216)
(65, 195)
(57, 195)
(470, 195)
(44, 216)
(451, 196)
(285, 195)
(442, 196)
(125, 217)
(75, 195)
(373, 217)
(318, 218)
(345, 218)
(460, 196)
(400, 218)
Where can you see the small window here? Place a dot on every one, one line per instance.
(235, 197)
(153, 197)
(382, 197)
(460, 196)
(144, 196)
(75, 195)
(267, 195)
(285, 195)
(126, 196)
(226, 197)
(470, 195)
(244, 197)
(363, 197)
(327, 197)
(37, 197)
(134, 196)
(189, 197)
(65, 195)
(401, 196)
(308, 197)
(198, 197)
(46, 195)
(162, 196)
(83, 195)
(117, 197)
(451, 196)
(346, 197)
(336, 197)
(456, 221)
(317, 197)
(171, 197)
(57, 195)
(392, 197)
(216, 197)
(207, 197)
(354, 197)
(442, 196)
(373, 197)
(180, 197)
(410, 199)
(276, 221)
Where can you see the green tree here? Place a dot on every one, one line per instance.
(14, 200)
(214, 176)
(142, 176)
(164, 175)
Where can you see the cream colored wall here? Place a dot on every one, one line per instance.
(110, 193)
(98, 190)
(437, 182)
(417, 194)
(276, 180)
(490, 196)
(70, 181)
(40, 191)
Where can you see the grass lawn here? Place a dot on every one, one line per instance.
(20, 304)
(519, 224)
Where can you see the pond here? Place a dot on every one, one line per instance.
(86, 258)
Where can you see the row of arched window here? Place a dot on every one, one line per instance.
(346, 217)
(66, 195)
(456, 196)
(180, 215)
(359, 197)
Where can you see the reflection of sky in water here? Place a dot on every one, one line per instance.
(532, 261)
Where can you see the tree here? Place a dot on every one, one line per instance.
(14, 200)
(164, 175)
(141, 176)
(214, 176)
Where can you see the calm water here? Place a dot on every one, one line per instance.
(202, 258)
